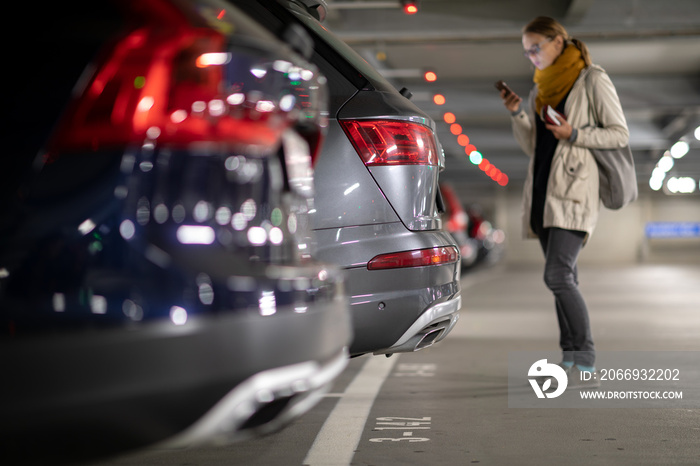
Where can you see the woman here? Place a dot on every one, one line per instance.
(561, 201)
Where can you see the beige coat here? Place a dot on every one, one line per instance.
(572, 200)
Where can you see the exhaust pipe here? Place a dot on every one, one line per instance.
(423, 339)
(429, 338)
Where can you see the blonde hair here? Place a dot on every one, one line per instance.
(551, 28)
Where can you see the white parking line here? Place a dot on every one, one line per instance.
(335, 444)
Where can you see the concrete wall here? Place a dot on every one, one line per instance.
(619, 236)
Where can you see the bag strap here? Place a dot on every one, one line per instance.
(589, 93)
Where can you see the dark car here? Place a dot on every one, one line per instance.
(155, 277)
(376, 211)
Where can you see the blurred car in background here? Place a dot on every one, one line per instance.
(491, 240)
(456, 222)
(156, 284)
(479, 242)
(376, 212)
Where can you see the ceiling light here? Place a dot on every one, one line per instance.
(410, 7)
(475, 157)
(682, 185)
(430, 76)
(665, 163)
(679, 149)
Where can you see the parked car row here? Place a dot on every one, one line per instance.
(207, 208)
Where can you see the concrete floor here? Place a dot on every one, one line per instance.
(449, 404)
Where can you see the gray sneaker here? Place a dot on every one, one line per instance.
(578, 380)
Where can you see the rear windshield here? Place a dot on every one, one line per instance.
(346, 52)
(329, 49)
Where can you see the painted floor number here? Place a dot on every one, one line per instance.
(404, 425)
(415, 370)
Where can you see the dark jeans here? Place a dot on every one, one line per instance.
(561, 249)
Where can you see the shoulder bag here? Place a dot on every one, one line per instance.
(618, 179)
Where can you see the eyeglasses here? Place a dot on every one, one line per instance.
(535, 49)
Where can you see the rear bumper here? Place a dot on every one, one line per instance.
(394, 309)
(390, 307)
(84, 395)
(432, 326)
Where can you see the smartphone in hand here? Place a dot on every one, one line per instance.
(551, 116)
(501, 85)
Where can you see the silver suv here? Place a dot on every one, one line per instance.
(377, 203)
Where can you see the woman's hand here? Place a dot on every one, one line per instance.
(562, 131)
(511, 100)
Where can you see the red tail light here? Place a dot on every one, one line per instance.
(160, 81)
(417, 258)
(392, 142)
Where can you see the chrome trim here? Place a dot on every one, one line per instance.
(303, 383)
(429, 122)
(439, 318)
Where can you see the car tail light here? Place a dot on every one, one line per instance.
(416, 258)
(161, 81)
(392, 142)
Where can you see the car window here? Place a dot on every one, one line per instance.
(338, 61)
(354, 59)
(343, 79)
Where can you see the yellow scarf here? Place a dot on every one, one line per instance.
(555, 81)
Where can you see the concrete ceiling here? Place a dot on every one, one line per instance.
(650, 48)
